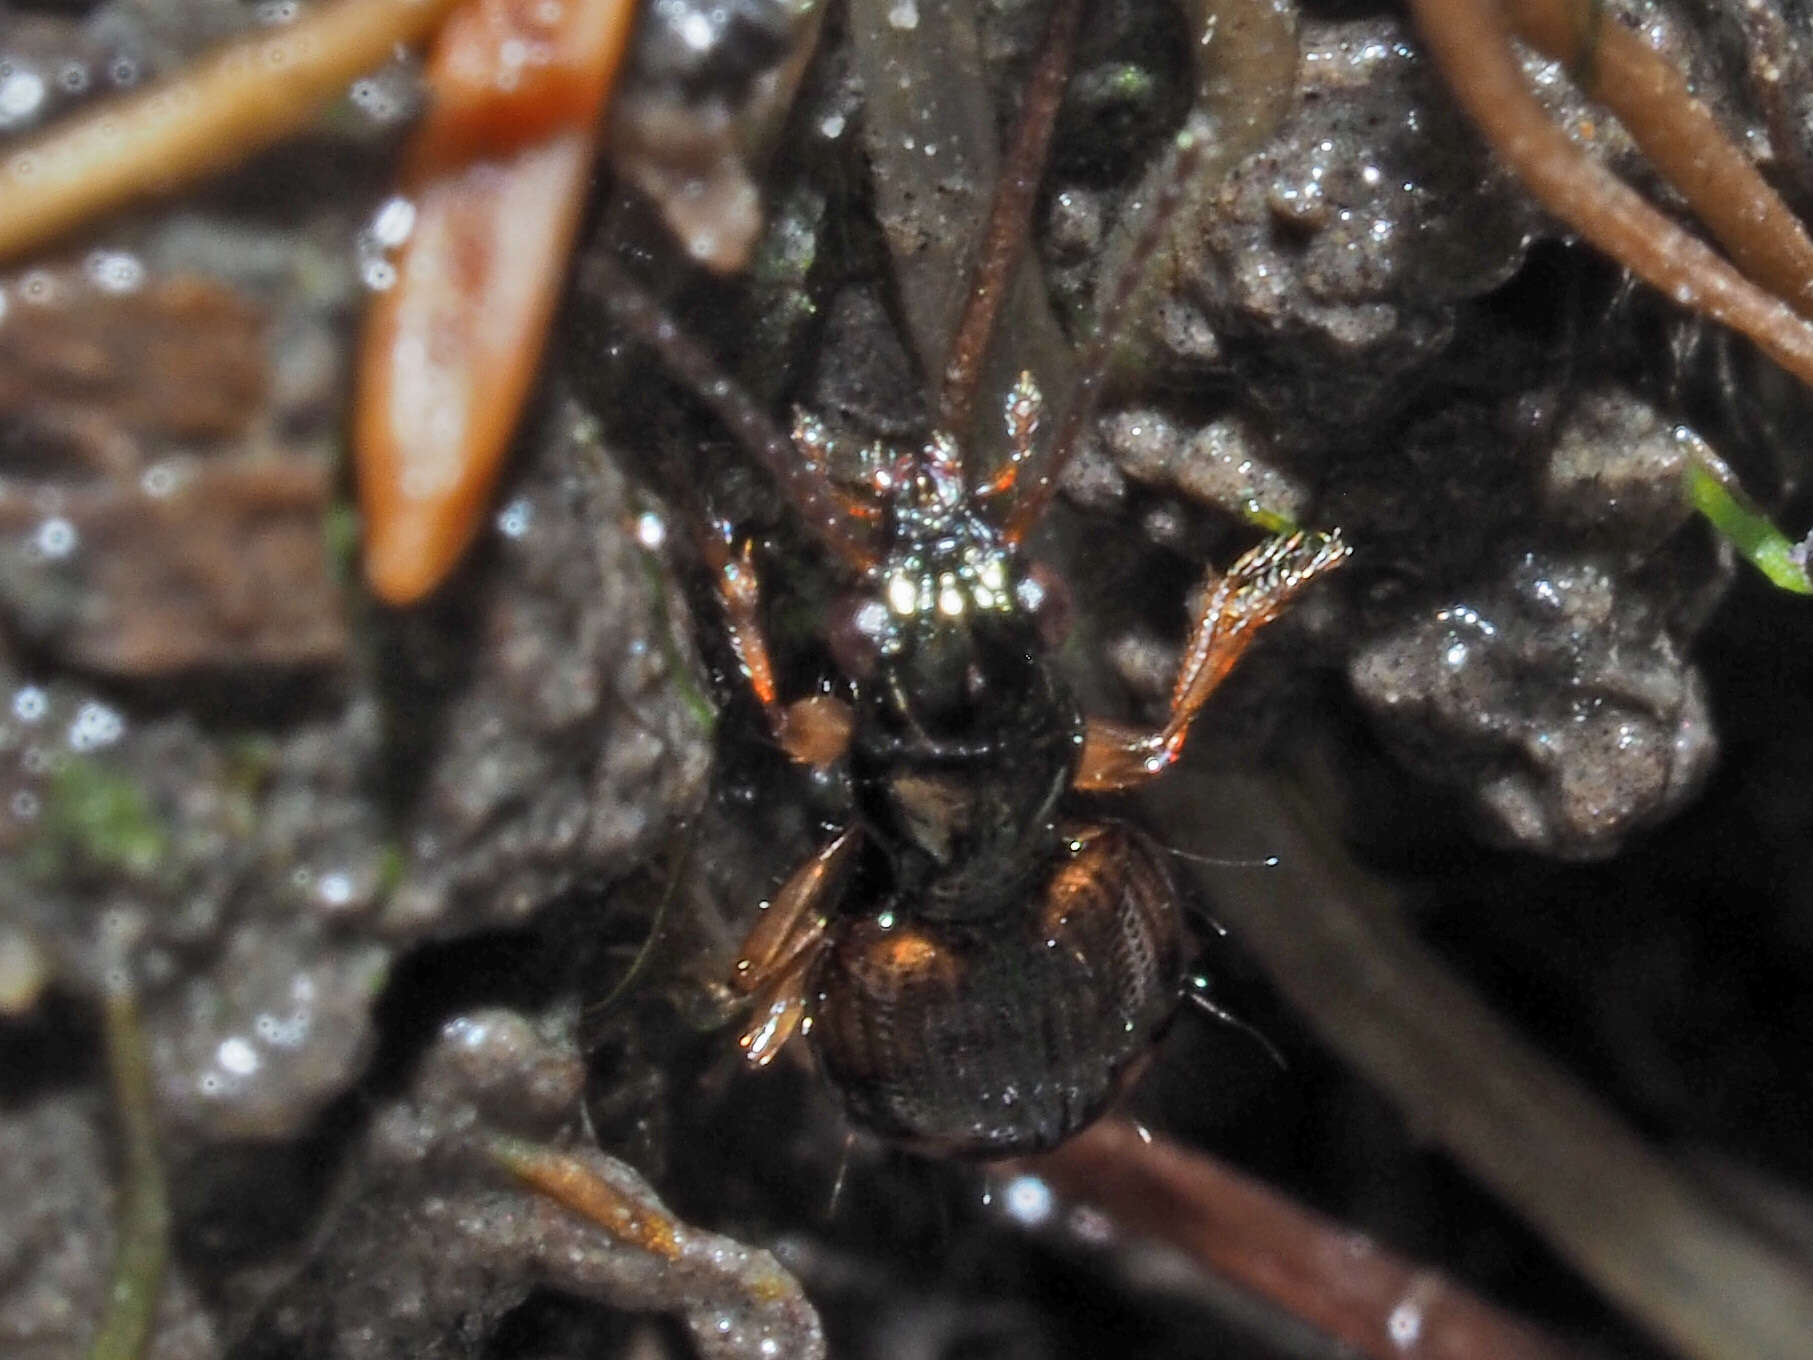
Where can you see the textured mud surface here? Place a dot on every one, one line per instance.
(371, 873)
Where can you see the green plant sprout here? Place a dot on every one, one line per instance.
(142, 1218)
(1712, 490)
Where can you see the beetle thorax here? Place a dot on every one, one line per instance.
(965, 735)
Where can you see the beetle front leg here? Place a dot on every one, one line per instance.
(1232, 610)
(814, 730)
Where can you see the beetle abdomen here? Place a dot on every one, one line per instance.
(1005, 1035)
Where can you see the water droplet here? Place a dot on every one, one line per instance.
(372, 99)
(1406, 1323)
(56, 538)
(394, 221)
(515, 519)
(237, 1057)
(95, 726)
(159, 480)
(114, 271)
(696, 32)
(904, 16)
(1028, 1200)
(30, 703)
(37, 287)
(21, 96)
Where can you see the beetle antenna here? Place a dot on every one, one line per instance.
(1009, 219)
(1223, 861)
(803, 480)
(1187, 150)
(645, 953)
(843, 1174)
(1198, 995)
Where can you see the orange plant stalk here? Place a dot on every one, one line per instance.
(497, 177)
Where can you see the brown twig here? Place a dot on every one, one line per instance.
(1361, 1295)
(212, 114)
(1689, 1270)
(806, 485)
(1679, 135)
(1245, 52)
(1008, 218)
(1470, 40)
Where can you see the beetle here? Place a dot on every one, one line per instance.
(979, 965)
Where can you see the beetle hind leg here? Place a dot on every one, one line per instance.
(776, 959)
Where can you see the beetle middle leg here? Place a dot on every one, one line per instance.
(1232, 610)
(776, 957)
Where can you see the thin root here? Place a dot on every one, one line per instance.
(1682, 140)
(1470, 40)
(1356, 1292)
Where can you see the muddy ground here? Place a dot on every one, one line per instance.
(380, 878)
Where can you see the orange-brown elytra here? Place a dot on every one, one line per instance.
(497, 176)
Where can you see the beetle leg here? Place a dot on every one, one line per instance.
(814, 730)
(778, 954)
(813, 441)
(1232, 610)
(790, 923)
(780, 1011)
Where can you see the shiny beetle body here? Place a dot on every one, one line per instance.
(989, 974)
(1006, 1033)
(978, 969)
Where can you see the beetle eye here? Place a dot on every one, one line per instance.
(1043, 594)
(856, 628)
